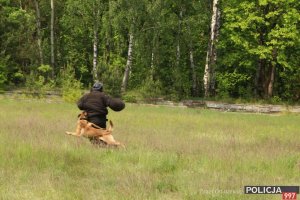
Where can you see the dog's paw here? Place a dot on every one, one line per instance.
(68, 133)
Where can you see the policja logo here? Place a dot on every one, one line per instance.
(270, 189)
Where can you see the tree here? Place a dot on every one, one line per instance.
(52, 39)
(38, 27)
(128, 63)
(263, 30)
(134, 9)
(209, 72)
(97, 15)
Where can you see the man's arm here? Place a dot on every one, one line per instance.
(80, 103)
(115, 104)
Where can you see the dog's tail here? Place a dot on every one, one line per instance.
(111, 126)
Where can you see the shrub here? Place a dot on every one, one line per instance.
(111, 75)
(132, 96)
(232, 84)
(38, 83)
(151, 89)
(71, 87)
(3, 71)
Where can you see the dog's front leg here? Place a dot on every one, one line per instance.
(72, 133)
(78, 131)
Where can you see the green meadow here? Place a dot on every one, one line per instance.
(171, 153)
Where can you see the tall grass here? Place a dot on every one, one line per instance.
(171, 153)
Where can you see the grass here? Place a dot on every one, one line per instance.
(172, 153)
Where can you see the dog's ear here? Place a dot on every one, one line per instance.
(78, 115)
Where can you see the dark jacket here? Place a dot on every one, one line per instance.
(96, 103)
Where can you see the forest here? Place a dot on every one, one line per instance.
(176, 49)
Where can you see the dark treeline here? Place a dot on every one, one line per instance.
(173, 48)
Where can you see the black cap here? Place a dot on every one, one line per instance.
(98, 86)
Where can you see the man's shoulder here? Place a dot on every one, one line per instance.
(96, 94)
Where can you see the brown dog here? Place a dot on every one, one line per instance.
(92, 131)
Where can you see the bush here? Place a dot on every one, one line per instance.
(3, 71)
(111, 75)
(71, 87)
(151, 89)
(132, 96)
(231, 85)
(37, 84)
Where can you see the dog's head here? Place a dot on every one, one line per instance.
(83, 123)
(82, 115)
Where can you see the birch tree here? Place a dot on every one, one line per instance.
(178, 52)
(192, 62)
(96, 15)
(132, 20)
(52, 38)
(38, 28)
(211, 57)
(128, 63)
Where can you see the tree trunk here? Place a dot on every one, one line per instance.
(152, 65)
(52, 39)
(128, 64)
(95, 55)
(257, 81)
(192, 64)
(194, 77)
(178, 38)
(211, 56)
(154, 54)
(108, 40)
(95, 43)
(272, 73)
(271, 82)
(38, 27)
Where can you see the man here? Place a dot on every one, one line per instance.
(95, 104)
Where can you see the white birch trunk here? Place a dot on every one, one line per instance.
(108, 37)
(95, 44)
(178, 39)
(95, 55)
(152, 65)
(52, 38)
(38, 27)
(178, 53)
(128, 64)
(211, 56)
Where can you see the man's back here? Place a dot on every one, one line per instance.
(95, 102)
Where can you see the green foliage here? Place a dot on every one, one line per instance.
(132, 96)
(258, 35)
(71, 87)
(276, 100)
(3, 71)
(38, 83)
(253, 33)
(18, 77)
(231, 84)
(111, 75)
(151, 89)
(44, 69)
